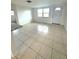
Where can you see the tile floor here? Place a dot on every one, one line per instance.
(40, 41)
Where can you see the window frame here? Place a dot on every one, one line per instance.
(43, 12)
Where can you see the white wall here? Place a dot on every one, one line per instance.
(54, 17)
(24, 15)
(14, 17)
(65, 22)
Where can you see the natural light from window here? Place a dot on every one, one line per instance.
(46, 12)
(57, 9)
(15, 31)
(39, 12)
(25, 17)
(43, 12)
(42, 29)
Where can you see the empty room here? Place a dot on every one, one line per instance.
(38, 29)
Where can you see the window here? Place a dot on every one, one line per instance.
(43, 12)
(12, 12)
(57, 9)
(46, 12)
(39, 12)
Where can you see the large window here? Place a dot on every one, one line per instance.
(57, 9)
(43, 12)
(39, 12)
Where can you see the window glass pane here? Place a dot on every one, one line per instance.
(46, 15)
(12, 12)
(39, 12)
(57, 9)
(46, 12)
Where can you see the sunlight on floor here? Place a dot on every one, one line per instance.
(39, 41)
(43, 29)
(16, 31)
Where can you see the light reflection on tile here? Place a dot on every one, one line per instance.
(15, 31)
(43, 29)
(40, 40)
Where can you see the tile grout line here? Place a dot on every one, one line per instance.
(60, 52)
(40, 48)
(52, 49)
(44, 44)
(51, 53)
(37, 52)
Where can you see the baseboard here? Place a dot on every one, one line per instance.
(56, 23)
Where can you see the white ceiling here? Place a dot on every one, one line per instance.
(37, 3)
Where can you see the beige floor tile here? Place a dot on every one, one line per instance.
(36, 46)
(60, 40)
(21, 51)
(16, 46)
(39, 57)
(60, 48)
(24, 47)
(41, 39)
(45, 52)
(46, 41)
(21, 37)
(28, 54)
(57, 55)
(13, 58)
(42, 43)
(28, 42)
